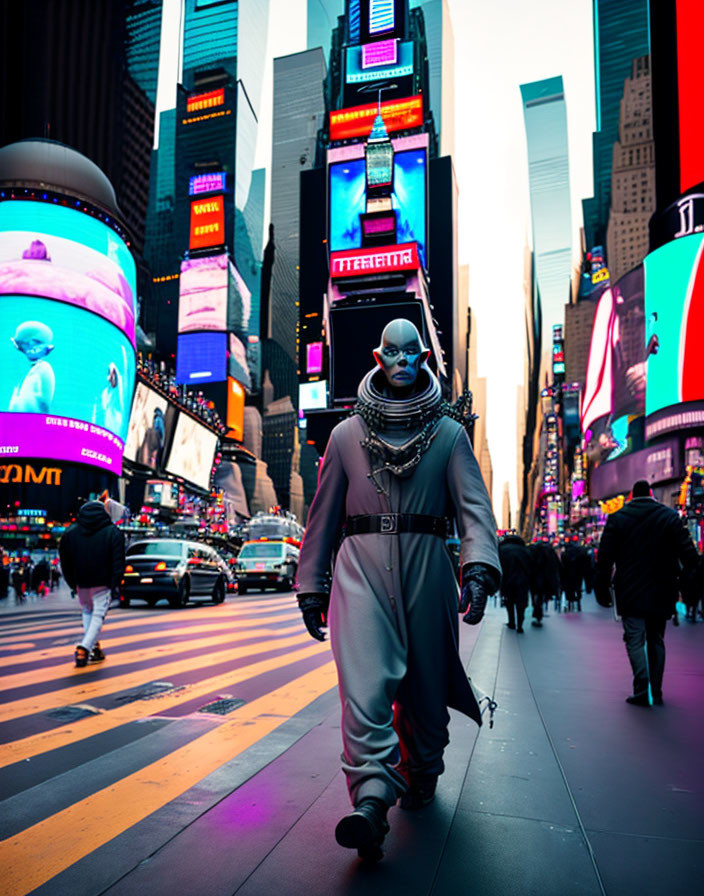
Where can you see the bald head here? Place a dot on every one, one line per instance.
(401, 353)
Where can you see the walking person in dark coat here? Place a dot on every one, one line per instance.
(575, 571)
(545, 581)
(515, 578)
(93, 562)
(649, 545)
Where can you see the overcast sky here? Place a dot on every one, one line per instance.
(498, 46)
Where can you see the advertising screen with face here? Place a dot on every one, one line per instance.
(202, 301)
(348, 200)
(66, 255)
(674, 323)
(66, 383)
(151, 422)
(192, 452)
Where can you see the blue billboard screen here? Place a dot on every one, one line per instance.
(348, 201)
(201, 358)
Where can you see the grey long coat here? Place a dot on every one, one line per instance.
(393, 604)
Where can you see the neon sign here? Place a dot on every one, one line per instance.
(207, 183)
(206, 100)
(381, 52)
(207, 222)
(357, 262)
(357, 121)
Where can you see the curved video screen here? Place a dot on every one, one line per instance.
(192, 452)
(66, 382)
(674, 322)
(63, 254)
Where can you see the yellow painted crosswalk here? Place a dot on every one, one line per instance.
(209, 652)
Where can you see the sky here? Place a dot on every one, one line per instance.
(498, 46)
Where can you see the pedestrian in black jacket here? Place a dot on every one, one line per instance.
(575, 571)
(515, 581)
(93, 562)
(545, 580)
(649, 545)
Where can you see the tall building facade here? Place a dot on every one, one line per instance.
(633, 175)
(321, 21)
(440, 41)
(299, 113)
(545, 119)
(621, 34)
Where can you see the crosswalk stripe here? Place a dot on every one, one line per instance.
(35, 744)
(107, 642)
(131, 619)
(90, 690)
(47, 848)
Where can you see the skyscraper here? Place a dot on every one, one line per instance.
(633, 178)
(548, 171)
(440, 41)
(322, 19)
(621, 34)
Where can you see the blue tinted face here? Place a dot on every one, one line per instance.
(86, 372)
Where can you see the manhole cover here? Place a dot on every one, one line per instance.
(72, 713)
(148, 692)
(223, 707)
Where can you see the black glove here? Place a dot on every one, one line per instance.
(602, 594)
(314, 608)
(478, 582)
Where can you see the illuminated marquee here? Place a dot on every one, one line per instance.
(27, 473)
(381, 52)
(207, 183)
(387, 61)
(357, 121)
(357, 262)
(205, 100)
(207, 222)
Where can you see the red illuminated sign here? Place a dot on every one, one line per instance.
(205, 100)
(358, 262)
(357, 121)
(690, 35)
(207, 222)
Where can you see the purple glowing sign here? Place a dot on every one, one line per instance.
(214, 182)
(382, 52)
(314, 357)
(59, 438)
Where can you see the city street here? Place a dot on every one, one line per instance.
(130, 776)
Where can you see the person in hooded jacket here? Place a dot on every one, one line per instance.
(516, 567)
(92, 553)
(651, 549)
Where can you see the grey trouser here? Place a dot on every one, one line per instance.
(645, 644)
(94, 607)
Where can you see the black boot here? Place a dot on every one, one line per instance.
(365, 829)
(420, 793)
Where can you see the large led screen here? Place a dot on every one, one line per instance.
(202, 302)
(674, 323)
(201, 358)
(352, 358)
(192, 452)
(151, 423)
(348, 201)
(64, 254)
(207, 222)
(614, 398)
(66, 382)
(357, 121)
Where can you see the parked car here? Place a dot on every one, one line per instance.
(174, 569)
(267, 564)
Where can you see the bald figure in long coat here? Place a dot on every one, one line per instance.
(393, 608)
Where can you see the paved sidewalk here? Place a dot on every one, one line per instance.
(572, 792)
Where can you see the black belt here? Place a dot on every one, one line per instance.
(393, 523)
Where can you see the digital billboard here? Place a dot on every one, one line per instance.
(207, 222)
(235, 409)
(202, 302)
(237, 363)
(203, 101)
(347, 200)
(357, 121)
(60, 253)
(674, 323)
(352, 358)
(360, 262)
(690, 92)
(201, 358)
(151, 425)
(313, 396)
(314, 357)
(383, 59)
(614, 397)
(66, 382)
(192, 452)
(213, 182)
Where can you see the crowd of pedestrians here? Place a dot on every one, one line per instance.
(28, 576)
(165, 381)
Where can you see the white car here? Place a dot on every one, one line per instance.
(267, 564)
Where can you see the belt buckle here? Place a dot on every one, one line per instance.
(389, 523)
